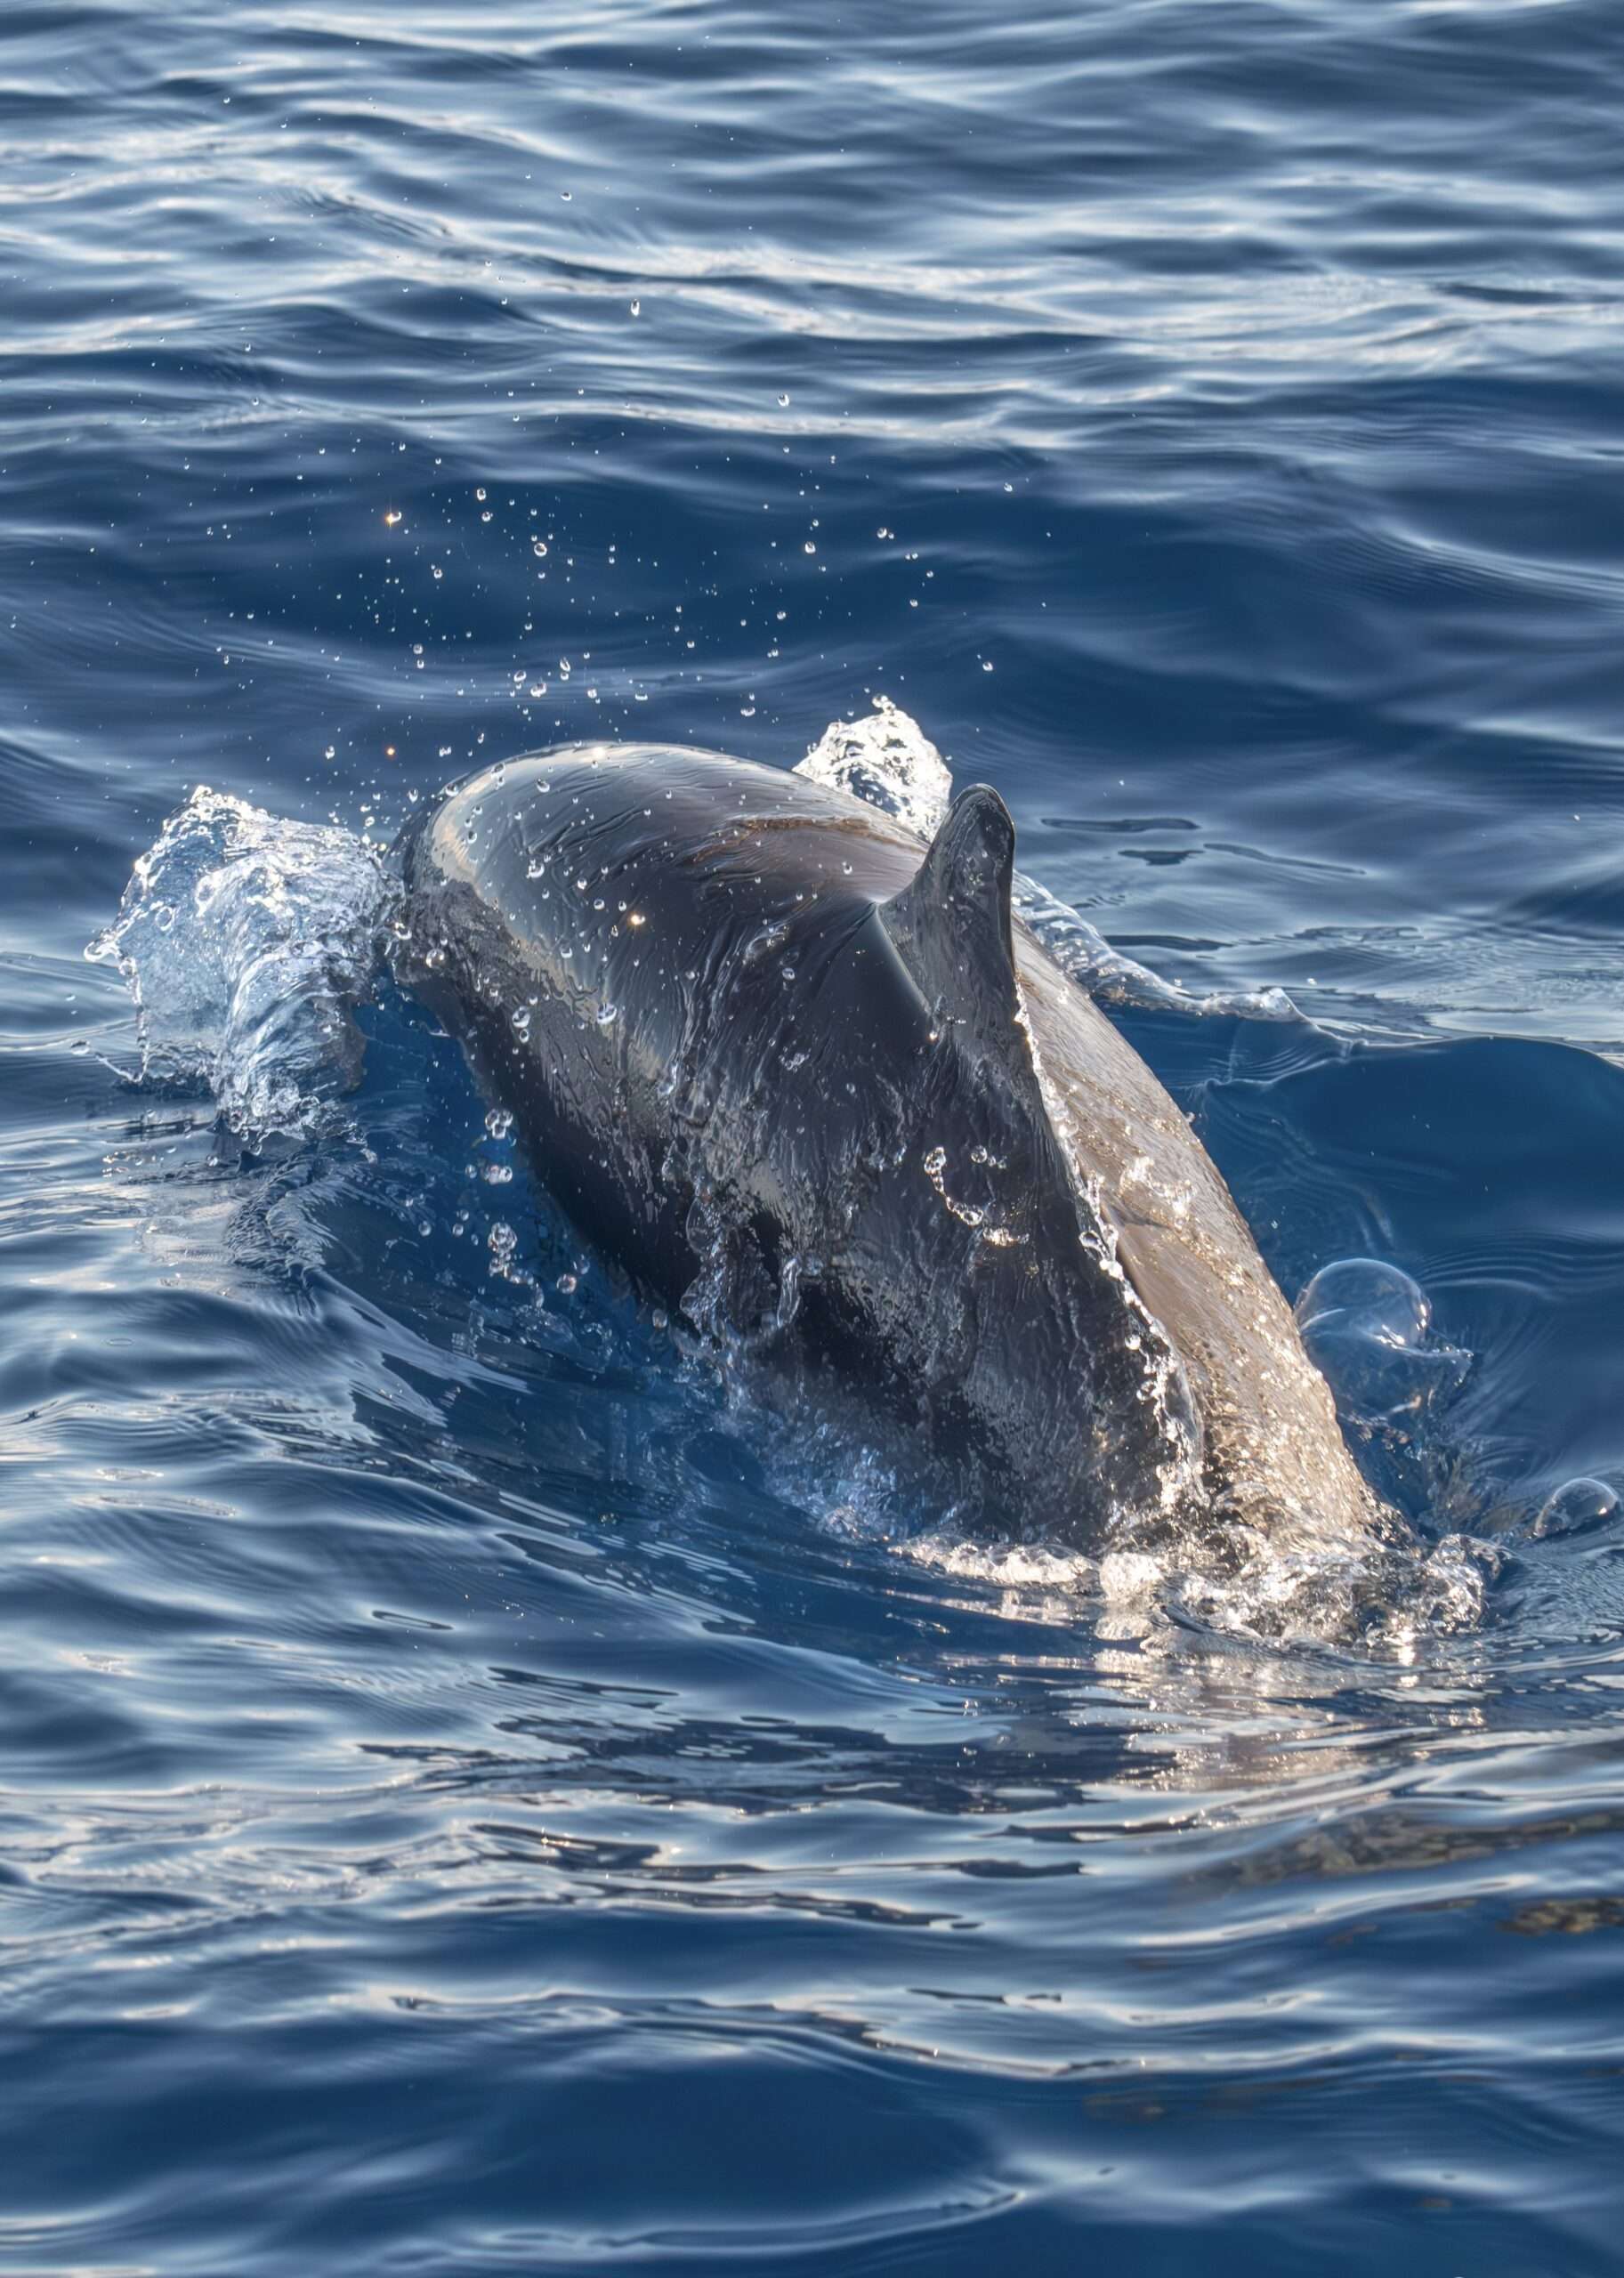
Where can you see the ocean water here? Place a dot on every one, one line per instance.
(472, 1797)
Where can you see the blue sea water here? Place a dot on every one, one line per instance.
(468, 1803)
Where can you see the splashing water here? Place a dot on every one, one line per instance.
(246, 941)
(887, 760)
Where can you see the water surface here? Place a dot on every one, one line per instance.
(470, 1801)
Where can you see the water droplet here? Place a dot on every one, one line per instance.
(636, 308)
(783, 403)
(809, 547)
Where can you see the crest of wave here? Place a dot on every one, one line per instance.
(245, 939)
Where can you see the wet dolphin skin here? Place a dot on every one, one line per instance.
(804, 1076)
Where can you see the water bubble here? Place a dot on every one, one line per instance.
(435, 570)
(636, 308)
(809, 547)
(1384, 1301)
(538, 546)
(783, 403)
(1365, 1325)
(567, 1284)
(498, 1123)
(1577, 1507)
(479, 495)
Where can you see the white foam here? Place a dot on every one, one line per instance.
(246, 941)
(886, 759)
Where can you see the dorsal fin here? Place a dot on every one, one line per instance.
(952, 923)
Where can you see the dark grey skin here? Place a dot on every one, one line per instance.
(805, 1079)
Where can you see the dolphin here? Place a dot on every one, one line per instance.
(806, 1079)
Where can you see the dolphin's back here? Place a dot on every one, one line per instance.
(806, 1079)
